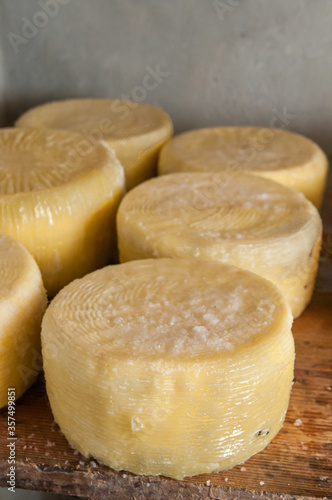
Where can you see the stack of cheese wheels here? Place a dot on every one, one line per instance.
(285, 157)
(165, 366)
(135, 131)
(22, 305)
(58, 196)
(247, 221)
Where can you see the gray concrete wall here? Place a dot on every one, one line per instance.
(223, 62)
(2, 75)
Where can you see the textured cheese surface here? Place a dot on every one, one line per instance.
(240, 219)
(163, 366)
(280, 155)
(135, 131)
(58, 196)
(33, 160)
(22, 305)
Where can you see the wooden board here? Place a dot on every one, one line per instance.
(296, 464)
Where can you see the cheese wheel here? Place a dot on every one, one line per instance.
(285, 157)
(247, 221)
(169, 366)
(58, 196)
(135, 131)
(22, 305)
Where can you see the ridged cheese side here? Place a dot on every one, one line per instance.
(22, 305)
(250, 222)
(135, 131)
(58, 196)
(169, 366)
(279, 155)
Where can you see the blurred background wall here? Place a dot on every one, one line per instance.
(210, 61)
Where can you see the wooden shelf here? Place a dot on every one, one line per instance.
(297, 463)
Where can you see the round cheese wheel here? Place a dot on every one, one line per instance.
(247, 221)
(280, 155)
(135, 131)
(58, 196)
(22, 305)
(169, 366)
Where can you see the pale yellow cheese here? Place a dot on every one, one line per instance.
(22, 305)
(247, 221)
(279, 155)
(58, 196)
(135, 131)
(169, 366)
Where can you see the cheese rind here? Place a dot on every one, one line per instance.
(170, 365)
(246, 221)
(279, 155)
(135, 131)
(58, 196)
(22, 305)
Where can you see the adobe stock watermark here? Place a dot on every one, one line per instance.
(150, 81)
(11, 438)
(248, 150)
(224, 7)
(264, 136)
(30, 28)
(120, 109)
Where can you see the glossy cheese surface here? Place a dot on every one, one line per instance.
(279, 155)
(58, 196)
(22, 305)
(246, 221)
(135, 131)
(165, 366)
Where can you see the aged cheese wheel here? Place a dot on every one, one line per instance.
(22, 305)
(169, 366)
(58, 196)
(247, 221)
(285, 157)
(135, 131)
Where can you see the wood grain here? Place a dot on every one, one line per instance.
(297, 463)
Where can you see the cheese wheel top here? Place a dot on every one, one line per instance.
(165, 309)
(104, 118)
(236, 148)
(34, 160)
(200, 209)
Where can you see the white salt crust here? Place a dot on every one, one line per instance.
(166, 309)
